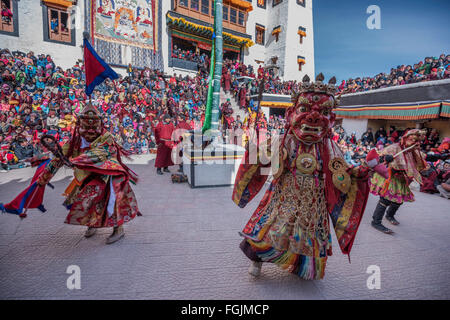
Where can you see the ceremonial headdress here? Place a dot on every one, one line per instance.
(89, 123)
(306, 87)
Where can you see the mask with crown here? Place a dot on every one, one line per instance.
(311, 118)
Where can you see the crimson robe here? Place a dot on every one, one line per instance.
(163, 137)
(227, 81)
(242, 96)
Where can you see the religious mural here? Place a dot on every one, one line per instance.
(129, 22)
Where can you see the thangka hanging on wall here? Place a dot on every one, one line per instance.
(118, 24)
(126, 21)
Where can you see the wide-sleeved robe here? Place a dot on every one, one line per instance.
(405, 168)
(98, 175)
(291, 225)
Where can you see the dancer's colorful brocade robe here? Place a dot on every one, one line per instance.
(291, 226)
(96, 170)
(405, 168)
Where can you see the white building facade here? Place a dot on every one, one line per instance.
(280, 29)
(31, 29)
(288, 36)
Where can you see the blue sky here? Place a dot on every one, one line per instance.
(410, 30)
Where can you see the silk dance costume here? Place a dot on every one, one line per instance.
(313, 185)
(393, 186)
(100, 194)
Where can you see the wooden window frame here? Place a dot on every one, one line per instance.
(236, 15)
(239, 17)
(192, 8)
(260, 29)
(184, 6)
(210, 8)
(228, 12)
(209, 18)
(276, 2)
(62, 37)
(244, 25)
(262, 6)
(11, 27)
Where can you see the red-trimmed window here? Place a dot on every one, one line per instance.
(7, 19)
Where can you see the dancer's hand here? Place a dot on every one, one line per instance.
(41, 181)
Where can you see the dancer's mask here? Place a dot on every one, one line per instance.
(90, 123)
(311, 118)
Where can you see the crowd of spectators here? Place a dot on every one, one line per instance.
(356, 149)
(37, 97)
(432, 68)
(190, 55)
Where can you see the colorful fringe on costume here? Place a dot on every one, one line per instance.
(308, 268)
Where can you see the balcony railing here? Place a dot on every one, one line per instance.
(183, 64)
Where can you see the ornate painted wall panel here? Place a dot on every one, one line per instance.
(126, 31)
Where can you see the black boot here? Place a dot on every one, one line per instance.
(391, 212)
(378, 216)
(166, 169)
(158, 171)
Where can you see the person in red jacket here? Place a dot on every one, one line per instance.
(163, 137)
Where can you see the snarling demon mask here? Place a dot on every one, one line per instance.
(311, 118)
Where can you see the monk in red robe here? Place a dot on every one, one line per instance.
(227, 81)
(163, 137)
(242, 96)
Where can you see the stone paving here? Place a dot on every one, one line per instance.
(185, 246)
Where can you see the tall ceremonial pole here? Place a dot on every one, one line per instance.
(209, 143)
(218, 16)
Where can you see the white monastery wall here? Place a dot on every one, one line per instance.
(31, 35)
